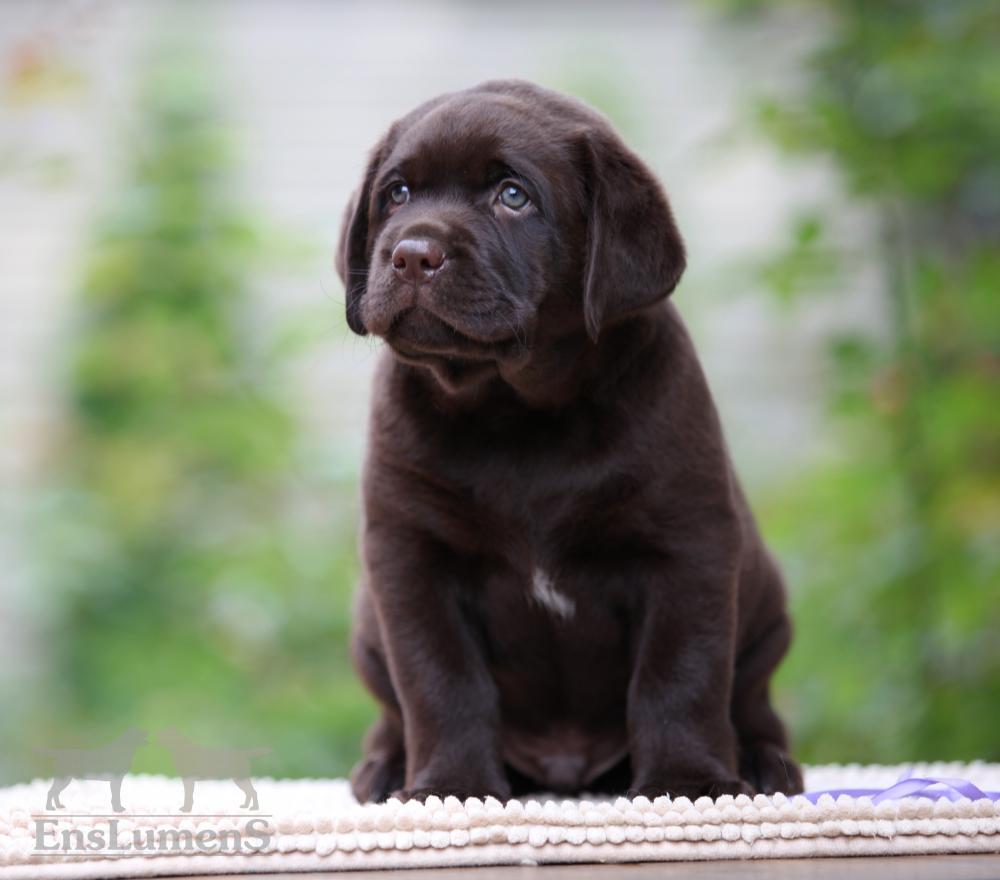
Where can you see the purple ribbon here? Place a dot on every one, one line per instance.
(933, 787)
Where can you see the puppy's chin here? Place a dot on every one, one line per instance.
(458, 361)
(416, 333)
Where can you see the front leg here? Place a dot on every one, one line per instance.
(681, 738)
(449, 702)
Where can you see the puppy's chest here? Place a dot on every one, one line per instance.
(524, 560)
(544, 592)
(535, 577)
(534, 536)
(538, 512)
(552, 625)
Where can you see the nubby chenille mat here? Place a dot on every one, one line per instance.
(314, 825)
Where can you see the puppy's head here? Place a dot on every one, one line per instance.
(492, 220)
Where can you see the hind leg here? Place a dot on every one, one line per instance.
(59, 784)
(382, 770)
(763, 743)
(246, 786)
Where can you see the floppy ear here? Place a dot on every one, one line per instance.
(353, 258)
(635, 255)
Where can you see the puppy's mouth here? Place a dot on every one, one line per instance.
(417, 336)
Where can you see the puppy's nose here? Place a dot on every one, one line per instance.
(417, 259)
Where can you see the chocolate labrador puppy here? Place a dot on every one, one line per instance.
(564, 588)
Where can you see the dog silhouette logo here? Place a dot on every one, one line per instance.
(194, 762)
(110, 762)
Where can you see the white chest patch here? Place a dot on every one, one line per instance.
(544, 592)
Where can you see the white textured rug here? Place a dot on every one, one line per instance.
(316, 825)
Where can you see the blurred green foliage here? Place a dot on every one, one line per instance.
(893, 546)
(198, 561)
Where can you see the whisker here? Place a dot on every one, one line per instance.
(333, 296)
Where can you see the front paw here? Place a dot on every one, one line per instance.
(376, 776)
(769, 769)
(692, 789)
(462, 790)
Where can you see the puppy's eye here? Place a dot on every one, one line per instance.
(513, 197)
(399, 194)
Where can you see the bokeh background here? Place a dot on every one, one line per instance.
(182, 407)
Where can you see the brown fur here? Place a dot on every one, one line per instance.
(564, 587)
